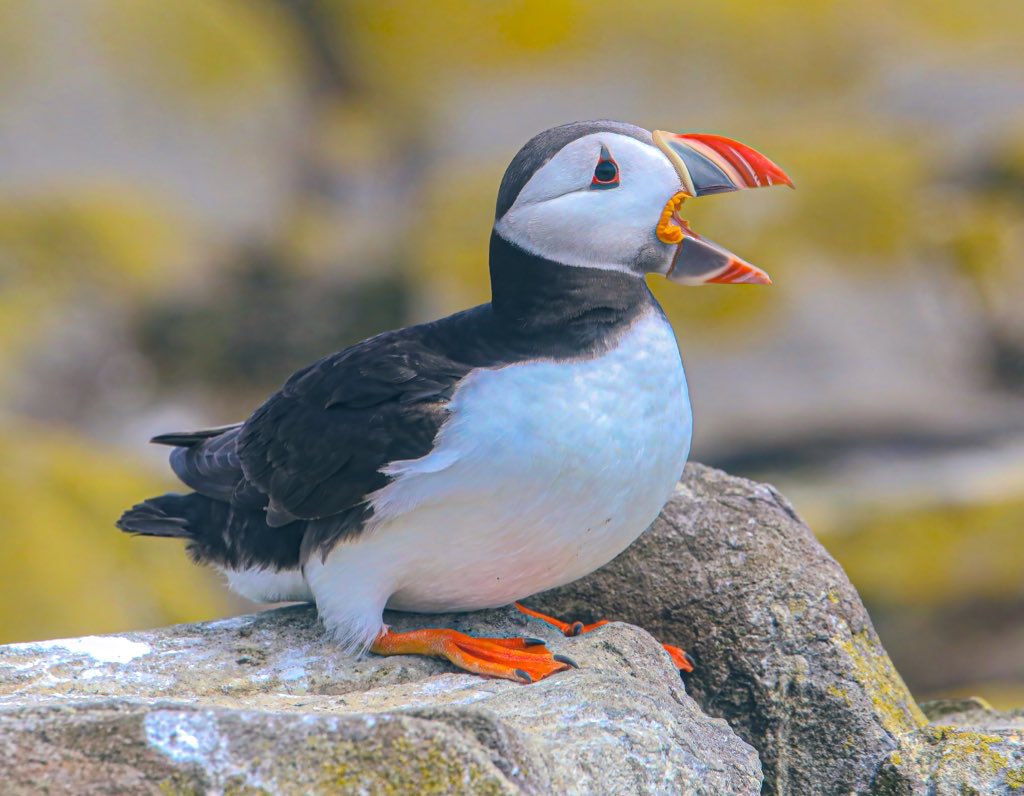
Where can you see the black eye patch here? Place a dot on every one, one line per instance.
(606, 173)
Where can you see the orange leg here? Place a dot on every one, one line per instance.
(525, 660)
(567, 628)
(680, 658)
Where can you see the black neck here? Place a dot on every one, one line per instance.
(533, 293)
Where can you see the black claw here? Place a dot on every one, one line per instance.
(566, 659)
(576, 629)
(524, 676)
(530, 641)
(690, 660)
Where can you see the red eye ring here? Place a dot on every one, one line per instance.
(606, 173)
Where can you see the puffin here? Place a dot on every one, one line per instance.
(472, 461)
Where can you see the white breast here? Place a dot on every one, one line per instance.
(544, 472)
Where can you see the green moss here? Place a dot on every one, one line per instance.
(967, 748)
(1015, 778)
(957, 760)
(394, 759)
(840, 693)
(399, 765)
(179, 785)
(896, 710)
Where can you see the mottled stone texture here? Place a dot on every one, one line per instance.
(785, 650)
(955, 760)
(968, 749)
(129, 747)
(265, 704)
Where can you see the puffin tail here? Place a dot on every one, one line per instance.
(193, 517)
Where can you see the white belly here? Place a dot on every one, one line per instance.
(545, 472)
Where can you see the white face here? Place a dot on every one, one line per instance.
(562, 216)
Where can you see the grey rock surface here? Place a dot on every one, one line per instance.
(785, 650)
(968, 748)
(266, 704)
(972, 712)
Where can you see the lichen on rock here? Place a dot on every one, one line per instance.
(266, 703)
(941, 759)
(873, 670)
(785, 651)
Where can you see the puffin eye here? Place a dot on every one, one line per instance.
(606, 175)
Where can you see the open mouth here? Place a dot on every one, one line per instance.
(710, 164)
(697, 259)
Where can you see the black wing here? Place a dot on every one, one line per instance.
(316, 447)
(301, 469)
(208, 462)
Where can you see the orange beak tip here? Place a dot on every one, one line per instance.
(756, 276)
(740, 273)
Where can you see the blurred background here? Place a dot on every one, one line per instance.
(199, 197)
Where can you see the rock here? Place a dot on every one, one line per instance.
(785, 650)
(969, 748)
(266, 704)
(973, 712)
(127, 747)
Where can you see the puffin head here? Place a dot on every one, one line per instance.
(608, 195)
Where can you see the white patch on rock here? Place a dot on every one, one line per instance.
(293, 673)
(186, 737)
(243, 723)
(105, 649)
(196, 738)
(232, 622)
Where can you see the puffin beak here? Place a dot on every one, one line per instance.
(710, 164)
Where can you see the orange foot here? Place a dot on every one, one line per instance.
(524, 660)
(679, 657)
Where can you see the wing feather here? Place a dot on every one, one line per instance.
(318, 446)
(317, 449)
